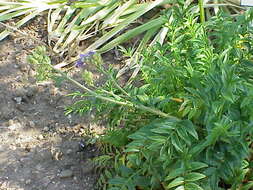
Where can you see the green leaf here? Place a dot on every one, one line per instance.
(114, 188)
(159, 139)
(192, 113)
(117, 181)
(188, 125)
(246, 101)
(163, 129)
(182, 133)
(155, 146)
(186, 111)
(132, 33)
(142, 181)
(180, 188)
(143, 98)
(247, 186)
(176, 182)
(194, 176)
(174, 173)
(108, 174)
(192, 186)
(138, 136)
(197, 165)
(177, 143)
(117, 13)
(130, 149)
(125, 171)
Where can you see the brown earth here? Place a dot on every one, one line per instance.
(38, 143)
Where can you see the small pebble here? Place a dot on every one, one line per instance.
(70, 118)
(40, 137)
(69, 151)
(31, 124)
(18, 100)
(11, 122)
(46, 129)
(66, 174)
(28, 182)
(23, 67)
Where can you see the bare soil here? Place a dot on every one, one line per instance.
(38, 143)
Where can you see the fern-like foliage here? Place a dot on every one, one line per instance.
(203, 75)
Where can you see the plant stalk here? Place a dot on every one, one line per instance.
(201, 11)
(90, 91)
(122, 103)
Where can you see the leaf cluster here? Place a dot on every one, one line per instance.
(203, 76)
(41, 61)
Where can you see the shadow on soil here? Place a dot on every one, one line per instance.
(38, 143)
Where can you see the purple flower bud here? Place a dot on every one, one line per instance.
(81, 60)
(79, 63)
(87, 55)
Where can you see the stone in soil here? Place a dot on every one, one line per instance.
(18, 100)
(66, 174)
(14, 126)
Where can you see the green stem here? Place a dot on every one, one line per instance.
(155, 111)
(126, 103)
(114, 81)
(201, 11)
(90, 91)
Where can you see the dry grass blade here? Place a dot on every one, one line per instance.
(122, 25)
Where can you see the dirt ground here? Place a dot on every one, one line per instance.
(38, 143)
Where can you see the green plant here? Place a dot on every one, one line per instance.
(186, 120)
(203, 76)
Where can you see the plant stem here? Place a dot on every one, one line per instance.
(122, 103)
(114, 81)
(90, 91)
(201, 11)
(155, 111)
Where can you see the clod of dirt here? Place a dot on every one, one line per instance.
(31, 91)
(87, 167)
(6, 113)
(66, 174)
